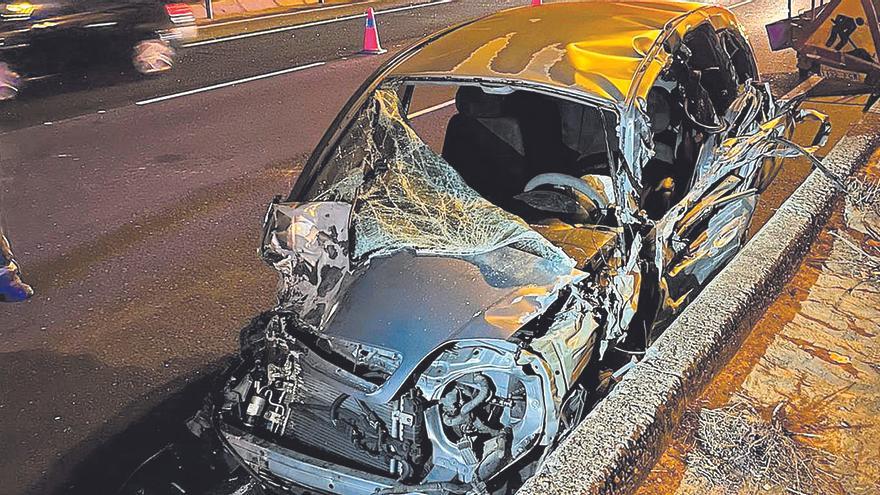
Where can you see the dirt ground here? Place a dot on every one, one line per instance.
(814, 360)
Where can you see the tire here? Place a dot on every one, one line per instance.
(152, 56)
(10, 82)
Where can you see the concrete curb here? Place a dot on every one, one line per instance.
(619, 442)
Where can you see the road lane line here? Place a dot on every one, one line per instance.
(430, 109)
(311, 24)
(282, 14)
(740, 4)
(228, 83)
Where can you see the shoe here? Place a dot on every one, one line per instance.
(12, 289)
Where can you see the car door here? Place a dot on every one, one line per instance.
(695, 239)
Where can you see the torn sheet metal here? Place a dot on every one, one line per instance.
(637, 147)
(308, 245)
(417, 304)
(701, 233)
(624, 286)
(569, 340)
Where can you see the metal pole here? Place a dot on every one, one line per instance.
(209, 9)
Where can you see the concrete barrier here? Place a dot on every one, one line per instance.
(619, 442)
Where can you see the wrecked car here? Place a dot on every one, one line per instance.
(501, 212)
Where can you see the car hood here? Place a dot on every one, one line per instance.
(409, 303)
(416, 304)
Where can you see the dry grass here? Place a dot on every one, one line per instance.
(862, 265)
(863, 195)
(862, 213)
(737, 451)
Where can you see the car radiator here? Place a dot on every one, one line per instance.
(310, 430)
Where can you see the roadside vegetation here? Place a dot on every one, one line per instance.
(738, 450)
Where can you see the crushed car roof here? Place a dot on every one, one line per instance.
(602, 49)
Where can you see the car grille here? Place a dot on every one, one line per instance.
(310, 430)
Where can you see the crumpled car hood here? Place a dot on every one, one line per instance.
(408, 303)
(415, 304)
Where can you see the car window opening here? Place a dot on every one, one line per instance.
(685, 108)
(541, 158)
(501, 143)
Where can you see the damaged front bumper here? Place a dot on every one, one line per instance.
(275, 464)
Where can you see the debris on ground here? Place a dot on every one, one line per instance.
(864, 265)
(863, 206)
(737, 451)
(862, 214)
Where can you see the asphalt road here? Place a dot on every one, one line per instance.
(138, 226)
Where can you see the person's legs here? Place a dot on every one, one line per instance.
(844, 38)
(12, 288)
(832, 37)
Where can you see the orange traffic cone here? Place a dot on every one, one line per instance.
(371, 35)
(536, 3)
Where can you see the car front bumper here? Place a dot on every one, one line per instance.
(286, 467)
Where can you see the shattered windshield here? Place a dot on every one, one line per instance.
(406, 196)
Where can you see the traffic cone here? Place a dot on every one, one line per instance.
(371, 35)
(536, 3)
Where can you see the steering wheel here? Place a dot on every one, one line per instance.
(578, 198)
(698, 106)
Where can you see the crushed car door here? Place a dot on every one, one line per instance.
(703, 238)
(696, 238)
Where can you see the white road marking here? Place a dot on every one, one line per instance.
(100, 25)
(430, 109)
(740, 4)
(229, 83)
(282, 14)
(312, 24)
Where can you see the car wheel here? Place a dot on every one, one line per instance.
(152, 57)
(10, 82)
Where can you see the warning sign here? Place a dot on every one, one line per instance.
(846, 28)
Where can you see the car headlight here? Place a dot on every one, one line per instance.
(18, 11)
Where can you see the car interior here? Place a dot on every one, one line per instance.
(547, 159)
(541, 158)
(685, 109)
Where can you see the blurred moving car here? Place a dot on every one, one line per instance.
(501, 214)
(48, 37)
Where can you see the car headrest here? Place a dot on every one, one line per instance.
(473, 102)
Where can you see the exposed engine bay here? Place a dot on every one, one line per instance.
(466, 413)
(473, 411)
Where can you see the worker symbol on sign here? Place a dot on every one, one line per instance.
(842, 29)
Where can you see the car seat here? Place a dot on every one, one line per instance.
(484, 143)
